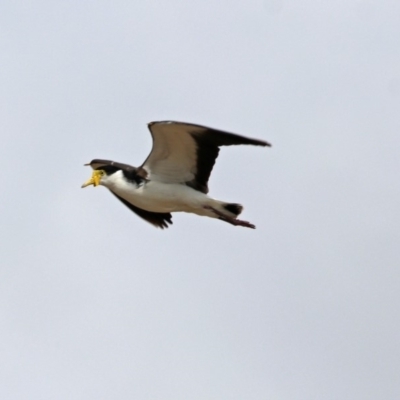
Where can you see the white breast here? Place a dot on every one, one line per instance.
(156, 196)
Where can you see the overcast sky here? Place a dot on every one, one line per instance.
(97, 304)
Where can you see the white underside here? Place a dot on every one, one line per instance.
(163, 197)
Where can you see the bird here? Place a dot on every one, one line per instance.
(174, 177)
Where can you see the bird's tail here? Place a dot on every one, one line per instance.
(233, 208)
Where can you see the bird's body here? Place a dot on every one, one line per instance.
(174, 177)
(160, 197)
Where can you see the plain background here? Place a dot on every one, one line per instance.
(97, 304)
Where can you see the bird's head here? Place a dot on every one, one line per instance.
(102, 169)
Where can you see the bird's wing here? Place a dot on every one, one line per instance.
(186, 153)
(160, 220)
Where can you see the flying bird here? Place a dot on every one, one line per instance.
(174, 176)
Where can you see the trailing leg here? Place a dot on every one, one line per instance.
(230, 220)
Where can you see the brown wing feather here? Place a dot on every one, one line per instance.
(160, 220)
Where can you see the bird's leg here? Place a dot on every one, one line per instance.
(230, 220)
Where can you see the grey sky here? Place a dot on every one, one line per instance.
(97, 304)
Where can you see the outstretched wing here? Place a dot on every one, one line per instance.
(160, 220)
(186, 153)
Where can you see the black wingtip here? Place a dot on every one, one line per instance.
(263, 143)
(165, 224)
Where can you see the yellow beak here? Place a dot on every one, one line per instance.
(95, 179)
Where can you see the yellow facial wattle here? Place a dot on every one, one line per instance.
(95, 179)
